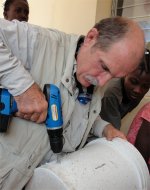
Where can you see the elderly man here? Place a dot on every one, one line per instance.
(79, 66)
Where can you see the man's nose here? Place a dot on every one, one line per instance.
(104, 79)
(138, 89)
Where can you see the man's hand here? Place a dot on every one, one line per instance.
(32, 104)
(111, 132)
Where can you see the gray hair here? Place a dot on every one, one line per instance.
(111, 30)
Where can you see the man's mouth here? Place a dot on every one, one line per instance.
(91, 80)
(134, 96)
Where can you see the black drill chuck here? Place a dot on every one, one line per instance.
(56, 140)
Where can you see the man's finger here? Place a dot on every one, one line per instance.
(42, 117)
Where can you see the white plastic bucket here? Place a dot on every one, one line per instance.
(101, 165)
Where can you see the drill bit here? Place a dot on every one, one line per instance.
(58, 159)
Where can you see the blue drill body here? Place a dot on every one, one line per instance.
(54, 117)
(54, 120)
(7, 105)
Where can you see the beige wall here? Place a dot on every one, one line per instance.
(103, 9)
(68, 15)
(74, 16)
(71, 16)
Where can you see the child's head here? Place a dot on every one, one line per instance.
(16, 9)
(137, 83)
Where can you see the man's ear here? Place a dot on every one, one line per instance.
(91, 35)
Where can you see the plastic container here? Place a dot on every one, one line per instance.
(101, 165)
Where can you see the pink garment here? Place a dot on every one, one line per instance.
(144, 113)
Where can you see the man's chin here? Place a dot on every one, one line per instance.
(135, 98)
(85, 83)
(91, 80)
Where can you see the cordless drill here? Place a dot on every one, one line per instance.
(53, 121)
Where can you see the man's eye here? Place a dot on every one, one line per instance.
(134, 81)
(105, 68)
(18, 10)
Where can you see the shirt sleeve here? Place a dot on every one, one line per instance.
(145, 112)
(99, 126)
(110, 111)
(13, 75)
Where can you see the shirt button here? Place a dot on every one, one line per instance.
(94, 111)
(67, 80)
